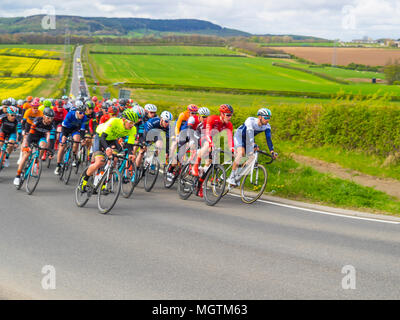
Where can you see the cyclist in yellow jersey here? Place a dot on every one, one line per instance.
(106, 140)
(46, 104)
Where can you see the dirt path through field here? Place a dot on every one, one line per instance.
(389, 186)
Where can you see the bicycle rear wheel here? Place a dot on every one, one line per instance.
(168, 180)
(214, 184)
(151, 174)
(253, 184)
(32, 180)
(82, 195)
(108, 191)
(186, 183)
(128, 180)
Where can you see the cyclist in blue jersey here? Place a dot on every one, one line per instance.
(150, 113)
(244, 139)
(73, 125)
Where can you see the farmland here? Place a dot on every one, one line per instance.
(344, 56)
(163, 49)
(26, 70)
(221, 72)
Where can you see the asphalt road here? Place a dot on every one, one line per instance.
(77, 72)
(156, 246)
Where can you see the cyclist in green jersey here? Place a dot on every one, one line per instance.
(106, 140)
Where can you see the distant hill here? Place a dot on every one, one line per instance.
(115, 26)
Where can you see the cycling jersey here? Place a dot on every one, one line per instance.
(115, 129)
(72, 122)
(155, 123)
(9, 129)
(249, 129)
(29, 116)
(181, 123)
(215, 123)
(59, 116)
(104, 118)
(39, 131)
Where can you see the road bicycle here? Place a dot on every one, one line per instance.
(212, 180)
(32, 169)
(106, 183)
(149, 168)
(127, 169)
(251, 177)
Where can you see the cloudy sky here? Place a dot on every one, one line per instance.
(334, 19)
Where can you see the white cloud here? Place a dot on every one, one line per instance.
(324, 18)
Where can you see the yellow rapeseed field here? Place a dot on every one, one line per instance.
(29, 52)
(17, 65)
(18, 88)
(46, 66)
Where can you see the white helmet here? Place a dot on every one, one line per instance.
(115, 100)
(203, 111)
(264, 112)
(41, 99)
(20, 102)
(150, 107)
(140, 111)
(166, 116)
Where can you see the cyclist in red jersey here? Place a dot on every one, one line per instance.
(214, 124)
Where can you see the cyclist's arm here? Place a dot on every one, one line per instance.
(179, 124)
(269, 139)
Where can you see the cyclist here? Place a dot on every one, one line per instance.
(46, 104)
(213, 125)
(9, 128)
(198, 127)
(106, 140)
(244, 139)
(74, 125)
(160, 123)
(90, 125)
(41, 132)
(27, 104)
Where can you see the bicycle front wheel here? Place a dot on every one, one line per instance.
(108, 191)
(253, 184)
(151, 174)
(67, 169)
(34, 175)
(82, 194)
(128, 180)
(214, 184)
(170, 180)
(186, 183)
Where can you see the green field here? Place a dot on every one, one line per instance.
(163, 49)
(222, 72)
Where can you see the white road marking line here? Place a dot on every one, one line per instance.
(321, 212)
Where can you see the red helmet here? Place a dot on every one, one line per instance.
(192, 108)
(94, 99)
(113, 110)
(226, 108)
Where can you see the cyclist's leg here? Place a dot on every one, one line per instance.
(77, 138)
(63, 138)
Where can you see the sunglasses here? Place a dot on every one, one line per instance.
(267, 117)
(204, 117)
(193, 113)
(228, 114)
(12, 115)
(81, 112)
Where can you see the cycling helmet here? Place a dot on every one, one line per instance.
(140, 111)
(150, 107)
(7, 102)
(35, 103)
(226, 108)
(192, 108)
(113, 110)
(20, 102)
(12, 101)
(41, 99)
(122, 102)
(47, 103)
(166, 116)
(79, 106)
(94, 99)
(48, 112)
(264, 112)
(29, 98)
(12, 110)
(131, 115)
(64, 98)
(204, 111)
(89, 104)
(114, 100)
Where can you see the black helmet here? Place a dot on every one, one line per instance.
(48, 112)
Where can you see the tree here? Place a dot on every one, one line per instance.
(392, 71)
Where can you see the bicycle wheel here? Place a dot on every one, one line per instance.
(48, 162)
(186, 183)
(67, 166)
(228, 171)
(128, 180)
(253, 184)
(151, 174)
(82, 195)
(23, 175)
(108, 191)
(168, 180)
(33, 177)
(2, 158)
(214, 184)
